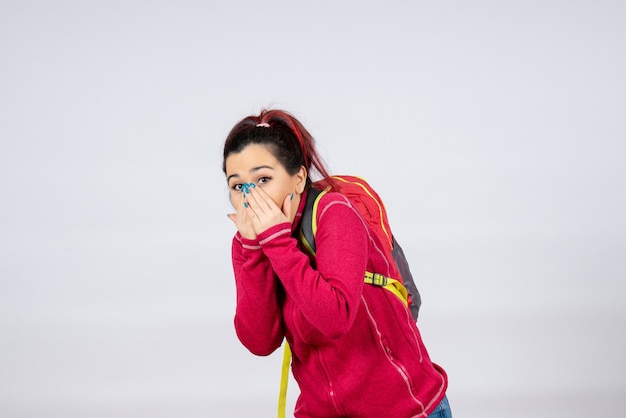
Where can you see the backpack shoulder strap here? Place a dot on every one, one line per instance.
(308, 224)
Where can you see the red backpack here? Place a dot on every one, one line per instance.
(371, 208)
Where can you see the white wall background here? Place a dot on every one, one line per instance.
(494, 130)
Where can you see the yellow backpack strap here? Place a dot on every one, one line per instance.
(392, 285)
(308, 223)
(284, 381)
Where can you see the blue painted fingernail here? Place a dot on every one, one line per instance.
(245, 204)
(291, 198)
(253, 185)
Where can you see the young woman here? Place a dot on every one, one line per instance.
(356, 351)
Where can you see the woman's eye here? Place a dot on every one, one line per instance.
(237, 187)
(263, 180)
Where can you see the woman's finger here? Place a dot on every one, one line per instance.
(262, 201)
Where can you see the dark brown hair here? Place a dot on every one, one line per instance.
(287, 139)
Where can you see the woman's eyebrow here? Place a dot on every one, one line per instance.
(252, 170)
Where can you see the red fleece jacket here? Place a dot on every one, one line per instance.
(356, 350)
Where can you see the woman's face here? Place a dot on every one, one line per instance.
(256, 164)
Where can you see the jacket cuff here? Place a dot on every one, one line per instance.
(250, 244)
(273, 232)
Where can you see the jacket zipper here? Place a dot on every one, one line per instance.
(400, 368)
(331, 390)
(388, 353)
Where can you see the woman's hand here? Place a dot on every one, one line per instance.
(263, 212)
(242, 221)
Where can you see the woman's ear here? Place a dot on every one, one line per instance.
(301, 177)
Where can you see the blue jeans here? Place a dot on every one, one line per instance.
(443, 410)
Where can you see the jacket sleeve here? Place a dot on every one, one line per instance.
(329, 296)
(258, 321)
